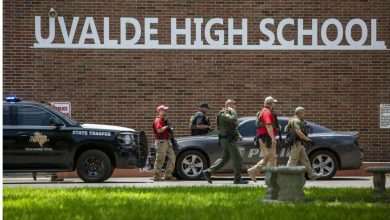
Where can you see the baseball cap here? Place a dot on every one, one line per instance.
(162, 108)
(269, 100)
(204, 105)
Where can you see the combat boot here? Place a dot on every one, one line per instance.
(240, 181)
(169, 178)
(157, 178)
(207, 176)
(314, 176)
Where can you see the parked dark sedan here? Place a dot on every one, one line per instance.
(331, 151)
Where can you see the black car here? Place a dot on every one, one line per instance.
(331, 151)
(38, 138)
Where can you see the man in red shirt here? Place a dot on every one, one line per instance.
(266, 133)
(163, 146)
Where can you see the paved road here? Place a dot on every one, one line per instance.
(42, 181)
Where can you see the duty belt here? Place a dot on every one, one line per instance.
(228, 137)
(266, 139)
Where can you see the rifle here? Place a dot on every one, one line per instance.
(175, 146)
(280, 135)
(279, 129)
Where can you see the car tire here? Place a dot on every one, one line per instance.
(190, 165)
(93, 166)
(109, 174)
(324, 163)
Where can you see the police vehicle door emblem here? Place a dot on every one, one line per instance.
(39, 138)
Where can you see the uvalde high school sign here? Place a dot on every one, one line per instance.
(214, 38)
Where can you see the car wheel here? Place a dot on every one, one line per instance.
(109, 174)
(93, 166)
(324, 163)
(190, 165)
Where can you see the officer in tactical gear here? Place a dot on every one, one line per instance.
(199, 122)
(164, 148)
(228, 135)
(298, 129)
(267, 123)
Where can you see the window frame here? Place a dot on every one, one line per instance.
(34, 106)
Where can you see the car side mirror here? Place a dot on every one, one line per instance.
(55, 122)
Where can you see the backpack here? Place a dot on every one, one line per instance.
(258, 122)
(291, 135)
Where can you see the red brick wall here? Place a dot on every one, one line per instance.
(341, 90)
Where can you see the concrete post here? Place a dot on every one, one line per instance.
(285, 183)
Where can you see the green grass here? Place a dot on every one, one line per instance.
(198, 203)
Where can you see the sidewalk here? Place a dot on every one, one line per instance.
(44, 182)
(137, 173)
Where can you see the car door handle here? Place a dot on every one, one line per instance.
(23, 134)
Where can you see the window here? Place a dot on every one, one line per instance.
(6, 115)
(248, 129)
(283, 123)
(31, 115)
